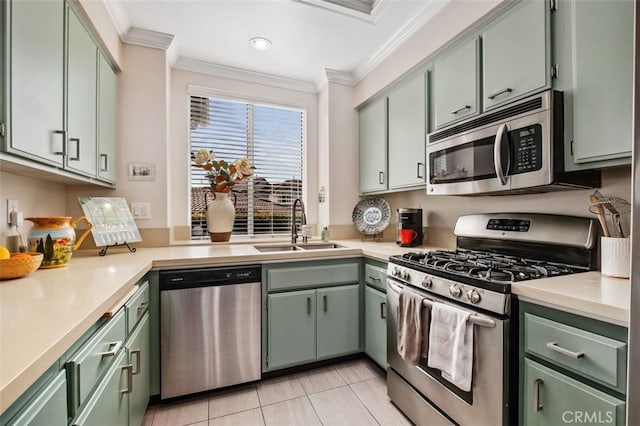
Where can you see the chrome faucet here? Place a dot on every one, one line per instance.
(303, 221)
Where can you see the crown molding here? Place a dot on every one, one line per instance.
(372, 17)
(407, 30)
(118, 16)
(148, 38)
(241, 74)
(342, 77)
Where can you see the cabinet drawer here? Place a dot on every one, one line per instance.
(375, 276)
(48, 408)
(313, 276)
(137, 306)
(551, 398)
(88, 365)
(593, 356)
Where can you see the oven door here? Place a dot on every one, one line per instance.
(487, 403)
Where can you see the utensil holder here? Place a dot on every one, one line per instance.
(615, 257)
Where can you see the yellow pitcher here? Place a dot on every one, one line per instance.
(54, 237)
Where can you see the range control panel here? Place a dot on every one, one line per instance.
(514, 225)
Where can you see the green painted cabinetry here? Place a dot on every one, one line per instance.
(516, 53)
(48, 407)
(456, 83)
(372, 121)
(593, 47)
(375, 325)
(407, 127)
(138, 350)
(107, 110)
(311, 312)
(572, 369)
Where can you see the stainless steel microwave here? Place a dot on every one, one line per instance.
(518, 148)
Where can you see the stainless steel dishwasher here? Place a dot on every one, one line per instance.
(209, 328)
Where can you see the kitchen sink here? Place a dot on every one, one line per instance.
(297, 247)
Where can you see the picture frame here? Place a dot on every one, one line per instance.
(141, 171)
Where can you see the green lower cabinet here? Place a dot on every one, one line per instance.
(138, 349)
(552, 398)
(375, 325)
(48, 407)
(109, 404)
(338, 322)
(292, 328)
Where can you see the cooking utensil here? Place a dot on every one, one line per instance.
(617, 227)
(599, 211)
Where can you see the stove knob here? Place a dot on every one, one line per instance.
(406, 276)
(396, 272)
(473, 296)
(427, 282)
(455, 290)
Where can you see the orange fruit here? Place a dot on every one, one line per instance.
(20, 255)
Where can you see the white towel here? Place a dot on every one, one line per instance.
(451, 344)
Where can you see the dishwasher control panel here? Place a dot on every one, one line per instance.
(199, 277)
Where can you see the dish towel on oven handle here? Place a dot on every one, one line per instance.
(451, 344)
(412, 327)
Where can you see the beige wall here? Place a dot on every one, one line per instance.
(109, 39)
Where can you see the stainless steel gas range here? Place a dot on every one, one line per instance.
(493, 251)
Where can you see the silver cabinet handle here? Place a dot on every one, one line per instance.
(114, 347)
(142, 307)
(456, 111)
(308, 306)
(500, 92)
(536, 395)
(104, 164)
(497, 159)
(129, 387)
(383, 308)
(63, 144)
(381, 178)
(136, 353)
(418, 174)
(324, 303)
(77, 141)
(554, 347)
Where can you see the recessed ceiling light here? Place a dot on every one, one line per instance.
(260, 43)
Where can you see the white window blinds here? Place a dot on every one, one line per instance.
(272, 138)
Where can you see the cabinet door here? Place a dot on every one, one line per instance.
(36, 66)
(139, 351)
(551, 398)
(292, 328)
(407, 133)
(373, 146)
(375, 325)
(515, 55)
(456, 84)
(107, 110)
(602, 68)
(48, 408)
(81, 98)
(109, 404)
(338, 321)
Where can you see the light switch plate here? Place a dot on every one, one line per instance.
(141, 210)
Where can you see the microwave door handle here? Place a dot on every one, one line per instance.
(497, 150)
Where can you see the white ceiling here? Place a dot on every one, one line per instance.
(308, 36)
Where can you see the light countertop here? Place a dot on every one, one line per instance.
(43, 314)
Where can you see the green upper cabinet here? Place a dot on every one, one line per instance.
(36, 68)
(516, 54)
(594, 51)
(407, 133)
(107, 109)
(338, 323)
(456, 85)
(81, 98)
(373, 146)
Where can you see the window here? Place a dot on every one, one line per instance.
(272, 138)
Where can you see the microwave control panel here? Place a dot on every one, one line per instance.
(527, 149)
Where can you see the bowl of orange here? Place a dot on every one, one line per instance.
(18, 265)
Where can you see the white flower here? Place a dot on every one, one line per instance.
(203, 156)
(243, 167)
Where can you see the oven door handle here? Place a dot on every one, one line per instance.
(497, 151)
(473, 319)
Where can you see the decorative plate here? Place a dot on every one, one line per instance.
(371, 215)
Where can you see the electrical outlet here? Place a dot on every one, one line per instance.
(141, 210)
(12, 206)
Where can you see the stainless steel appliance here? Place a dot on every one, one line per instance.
(516, 148)
(209, 328)
(410, 232)
(493, 251)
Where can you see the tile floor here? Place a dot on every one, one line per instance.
(352, 393)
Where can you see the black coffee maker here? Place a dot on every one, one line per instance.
(409, 228)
